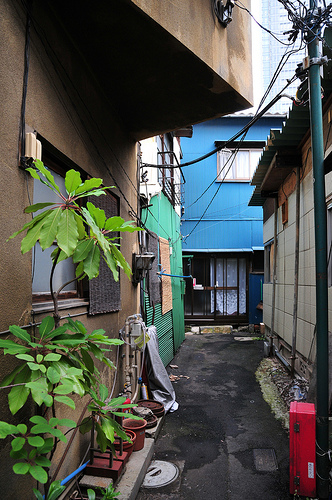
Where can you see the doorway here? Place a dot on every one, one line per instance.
(219, 291)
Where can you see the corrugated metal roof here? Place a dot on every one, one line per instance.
(296, 125)
(293, 130)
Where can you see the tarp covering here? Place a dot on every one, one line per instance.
(160, 385)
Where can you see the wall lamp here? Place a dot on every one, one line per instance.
(224, 12)
(141, 264)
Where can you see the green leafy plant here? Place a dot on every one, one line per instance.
(107, 493)
(101, 418)
(56, 361)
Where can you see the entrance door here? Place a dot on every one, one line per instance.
(220, 292)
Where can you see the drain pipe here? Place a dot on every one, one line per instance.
(296, 271)
(274, 273)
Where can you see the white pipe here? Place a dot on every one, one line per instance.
(138, 369)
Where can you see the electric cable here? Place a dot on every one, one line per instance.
(274, 35)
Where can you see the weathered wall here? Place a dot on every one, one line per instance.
(54, 112)
(305, 342)
(227, 51)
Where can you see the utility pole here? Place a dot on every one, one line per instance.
(317, 151)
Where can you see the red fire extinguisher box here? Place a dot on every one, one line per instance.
(302, 449)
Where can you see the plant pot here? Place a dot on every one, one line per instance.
(138, 427)
(155, 406)
(125, 444)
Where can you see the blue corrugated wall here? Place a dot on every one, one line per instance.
(229, 223)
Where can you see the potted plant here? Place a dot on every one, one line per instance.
(56, 361)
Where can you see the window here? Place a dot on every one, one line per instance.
(42, 263)
(237, 166)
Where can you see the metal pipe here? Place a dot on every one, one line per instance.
(282, 359)
(317, 151)
(296, 271)
(274, 279)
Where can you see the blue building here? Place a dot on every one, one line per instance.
(222, 235)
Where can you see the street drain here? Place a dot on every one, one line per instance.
(160, 474)
(265, 460)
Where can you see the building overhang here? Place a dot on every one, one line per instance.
(153, 65)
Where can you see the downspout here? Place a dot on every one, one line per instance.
(296, 271)
(274, 279)
(317, 151)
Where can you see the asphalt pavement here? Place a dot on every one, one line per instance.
(223, 439)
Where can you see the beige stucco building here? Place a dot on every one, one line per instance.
(89, 81)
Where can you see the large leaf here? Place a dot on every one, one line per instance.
(52, 356)
(21, 468)
(67, 422)
(46, 326)
(82, 250)
(98, 214)
(103, 391)
(22, 428)
(91, 494)
(20, 333)
(101, 438)
(72, 181)
(91, 263)
(47, 174)
(38, 473)
(6, 429)
(65, 400)
(11, 376)
(86, 425)
(55, 333)
(38, 419)
(40, 428)
(18, 443)
(19, 394)
(36, 441)
(39, 388)
(49, 229)
(19, 455)
(88, 185)
(29, 224)
(80, 226)
(88, 361)
(37, 493)
(53, 375)
(47, 447)
(33, 234)
(55, 490)
(36, 207)
(67, 235)
(42, 461)
(114, 223)
(26, 357)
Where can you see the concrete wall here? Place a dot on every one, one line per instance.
(227, 51)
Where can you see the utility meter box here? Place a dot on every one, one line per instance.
(302, 449)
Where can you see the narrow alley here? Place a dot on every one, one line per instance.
(223, 438)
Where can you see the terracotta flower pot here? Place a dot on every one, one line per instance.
(138, 427)
(126, 445)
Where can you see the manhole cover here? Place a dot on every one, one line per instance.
(265, 460)
(160, 474)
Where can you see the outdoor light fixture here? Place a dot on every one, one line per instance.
(224, 12)
(141, 264)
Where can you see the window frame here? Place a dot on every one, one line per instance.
(233, 164)
(58, 166)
